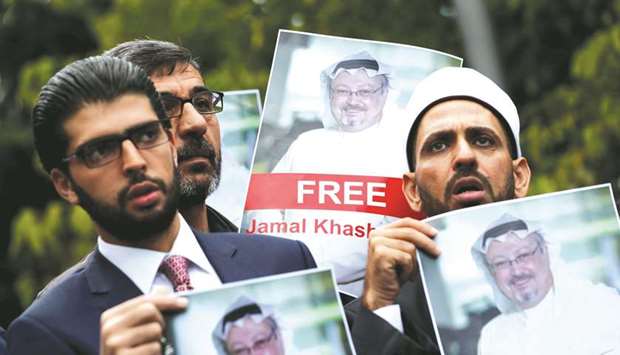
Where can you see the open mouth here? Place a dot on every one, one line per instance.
(143, 194)
(467, 185)
(468, 191)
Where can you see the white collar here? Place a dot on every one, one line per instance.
(141, 265)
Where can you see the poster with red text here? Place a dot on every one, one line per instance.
(331, 146)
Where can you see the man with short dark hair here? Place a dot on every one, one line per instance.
(463, 150)
(191, 107)
(544, 309)
(105, 139)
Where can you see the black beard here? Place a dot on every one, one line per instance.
(195, 192)
(116, 220)
(432, 206)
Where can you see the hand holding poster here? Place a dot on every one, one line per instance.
(537, 275)
(330, 153)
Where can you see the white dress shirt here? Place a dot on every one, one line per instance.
(142, 265)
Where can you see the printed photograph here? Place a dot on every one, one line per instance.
(332, 142)
(295, 313)
(538, 275)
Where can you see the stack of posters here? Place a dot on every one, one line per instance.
(331, 147)
(239, 127)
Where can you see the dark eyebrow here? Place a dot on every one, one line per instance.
(192, 92)
(478, 130)
(444, 134)
(197, 89)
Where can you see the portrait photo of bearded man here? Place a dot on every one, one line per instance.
(545, 309)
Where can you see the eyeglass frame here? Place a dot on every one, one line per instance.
(520, 259)
(119, 138)
(356, 93)
(182, 102)
(273, 335)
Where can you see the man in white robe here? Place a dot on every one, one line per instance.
(544, 310)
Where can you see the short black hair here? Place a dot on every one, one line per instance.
(155, 57)
(413, 131)
(86, 81)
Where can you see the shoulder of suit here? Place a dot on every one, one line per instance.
(65, 276)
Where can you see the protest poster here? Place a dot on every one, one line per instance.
(294, 313)
(536, 275)
(239, 128)
(331, 146)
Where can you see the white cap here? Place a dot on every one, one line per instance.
(461, 83)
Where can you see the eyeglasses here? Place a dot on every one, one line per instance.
(258, 345)
(103, 150)
(364, 93)
(204, 101)
(504, 265)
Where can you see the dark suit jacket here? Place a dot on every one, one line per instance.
(65, 318)
(372, 335)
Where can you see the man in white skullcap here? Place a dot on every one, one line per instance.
(544, 310)
(463, 150)
(248, 328)
(361, 136)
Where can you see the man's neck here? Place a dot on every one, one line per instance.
(196, 217)
(162, 241)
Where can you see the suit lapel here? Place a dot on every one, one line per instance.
(108, 285)
(225, 257)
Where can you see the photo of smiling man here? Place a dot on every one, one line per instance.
(536, 275)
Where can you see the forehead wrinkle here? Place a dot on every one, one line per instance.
(441, 118)
(175, 83)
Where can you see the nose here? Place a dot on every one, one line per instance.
(131, 157)
(191, 122)
(464, 156)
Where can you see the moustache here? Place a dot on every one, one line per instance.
(196, 147)
(462, 173)
(521, 277)
(350, 106)
(136, 178)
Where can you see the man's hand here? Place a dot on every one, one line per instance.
(392, 261)
(137, 325)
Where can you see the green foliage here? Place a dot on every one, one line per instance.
(574, 132)
(46, 243)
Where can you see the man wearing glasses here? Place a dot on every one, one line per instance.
(248, 328)
(104, 136)
(543, 309)
(191, 107)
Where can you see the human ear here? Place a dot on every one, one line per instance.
(64, 186)
(410, 191)
(521, 173)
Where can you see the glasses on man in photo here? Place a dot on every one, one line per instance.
(259, 345)
(503, 265)
(204, 101)
(103, 150)
(364, 93)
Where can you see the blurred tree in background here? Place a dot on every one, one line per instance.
(560, 60)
